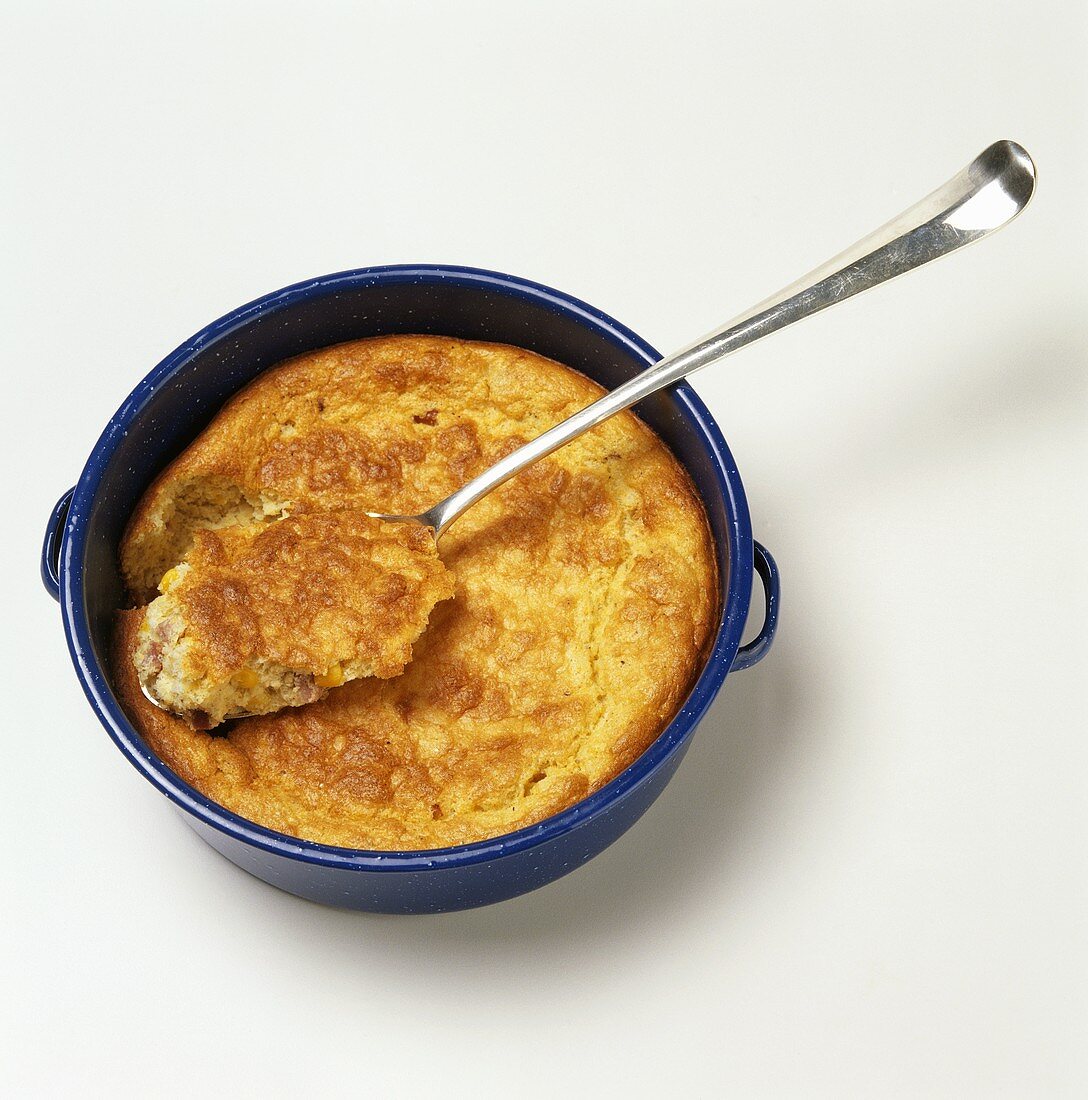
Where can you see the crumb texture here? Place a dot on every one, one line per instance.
(265, 615)
(586, 594)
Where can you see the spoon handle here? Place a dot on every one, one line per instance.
(975, 202)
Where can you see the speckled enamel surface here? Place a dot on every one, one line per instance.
(166, 410)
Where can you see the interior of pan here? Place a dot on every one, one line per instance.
(178, 398)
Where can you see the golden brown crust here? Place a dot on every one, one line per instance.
(586, 596)
(308, 592)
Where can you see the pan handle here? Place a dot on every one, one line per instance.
(54, 531)
(760, 645)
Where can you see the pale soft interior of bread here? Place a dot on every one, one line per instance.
(199, 503)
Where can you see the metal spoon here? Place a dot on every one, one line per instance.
(986, 195)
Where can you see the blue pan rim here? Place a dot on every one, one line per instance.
(128, 740)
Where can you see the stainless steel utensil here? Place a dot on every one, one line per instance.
(975, 202)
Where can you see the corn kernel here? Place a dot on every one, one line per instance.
(247, 678)
(170, 578)
(334, 677)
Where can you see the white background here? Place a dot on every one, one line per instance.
(868, 878)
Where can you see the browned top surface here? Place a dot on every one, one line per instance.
(586, 596)
(309, 591)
